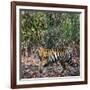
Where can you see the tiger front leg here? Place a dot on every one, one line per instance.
(40, 68)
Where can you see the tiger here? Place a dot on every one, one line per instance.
(49, 56)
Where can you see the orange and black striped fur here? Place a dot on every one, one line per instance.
(49, 56)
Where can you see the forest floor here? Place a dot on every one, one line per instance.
(52, 70)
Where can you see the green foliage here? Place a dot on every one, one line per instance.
(48, 29)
